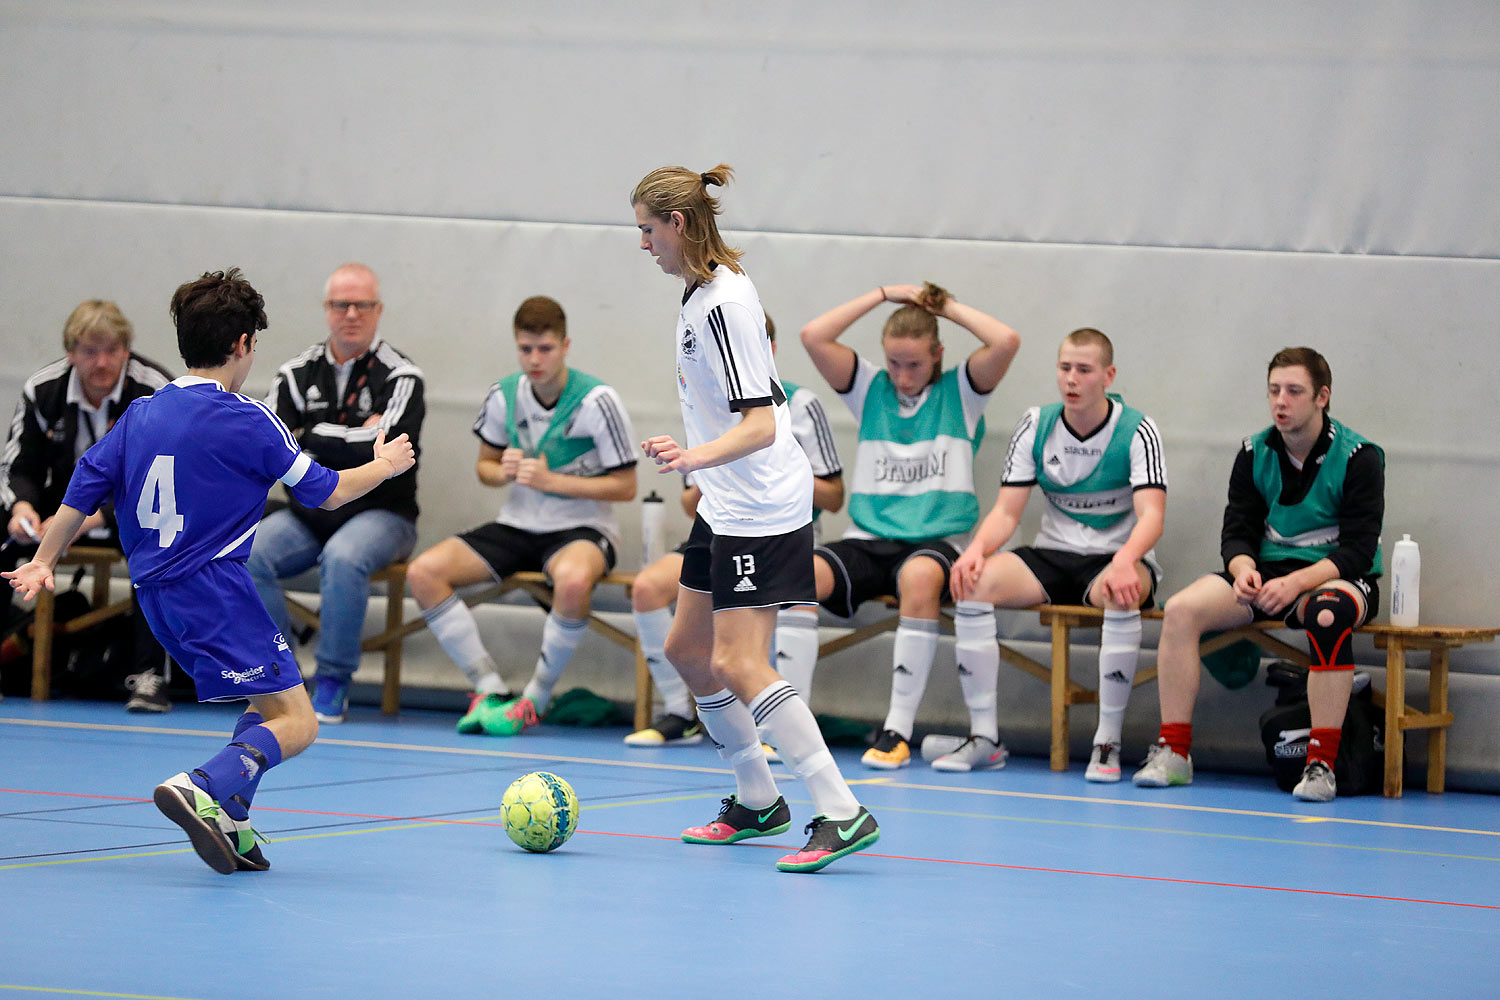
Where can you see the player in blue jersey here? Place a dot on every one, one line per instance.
(188, 470)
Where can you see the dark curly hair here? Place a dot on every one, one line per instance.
(212, 314)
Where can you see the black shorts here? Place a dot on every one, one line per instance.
(508, 550)
(1066, 577)
(757, 571)
(867, 568)
(1369, 586)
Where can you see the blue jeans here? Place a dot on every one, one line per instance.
(366, 543)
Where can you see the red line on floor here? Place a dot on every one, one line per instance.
(888, 857)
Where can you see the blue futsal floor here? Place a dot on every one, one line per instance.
(391, 878)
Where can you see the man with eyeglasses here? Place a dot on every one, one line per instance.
(336, 396)
(64, 408)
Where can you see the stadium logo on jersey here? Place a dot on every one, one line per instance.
(911, 470)
(243, 676)
(744, 586)
(689, 343)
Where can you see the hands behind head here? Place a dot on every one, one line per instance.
(398, 452)
(926, 295)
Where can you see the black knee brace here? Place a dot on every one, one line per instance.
(1329, 614)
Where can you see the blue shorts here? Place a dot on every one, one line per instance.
(214, 625)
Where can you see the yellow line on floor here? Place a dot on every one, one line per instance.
(379, 745)
(1185, 807)
(887, 782)
(86, 993)
(1186, 833)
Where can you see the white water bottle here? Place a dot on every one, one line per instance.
(1406, 582)
(652, 511)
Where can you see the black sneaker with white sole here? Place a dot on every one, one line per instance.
(187, 805)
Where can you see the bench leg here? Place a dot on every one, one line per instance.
(1060, 651)
(1437, 703)
(41, 648)
(101, 585)
(390, 688)
(644, 691)
(1395, 705)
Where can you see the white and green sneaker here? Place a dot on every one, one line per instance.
(1164, 769)
(242, 837)
(187, 805)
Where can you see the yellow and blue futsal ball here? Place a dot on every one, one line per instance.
(540, 811)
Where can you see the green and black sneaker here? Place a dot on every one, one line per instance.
(187, 805)
(832, 839)
(242, 837)
(737, 823)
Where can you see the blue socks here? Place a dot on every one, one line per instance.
(235, 772)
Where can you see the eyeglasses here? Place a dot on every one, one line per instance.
(344, 305)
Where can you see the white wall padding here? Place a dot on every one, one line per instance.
(1361, 126)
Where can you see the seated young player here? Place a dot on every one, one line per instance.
(188, 470)
(562, 441)
(1099, 464)
(912, 500)
(656, 585)
(1301, 544)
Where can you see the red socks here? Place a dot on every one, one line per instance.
(1178, 736)
(1323, 745)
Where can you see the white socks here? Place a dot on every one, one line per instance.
(916, 645)
(651, 628)
(1119, 652)
(453, 624)
(732, 728)
(790, 724)
(560, 638)
(978, 665)
(795, 649)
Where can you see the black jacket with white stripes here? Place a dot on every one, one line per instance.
(331, 427)
(39, 454)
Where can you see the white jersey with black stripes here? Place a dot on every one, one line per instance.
(1070, 459)
(600, 417)
(725, 366)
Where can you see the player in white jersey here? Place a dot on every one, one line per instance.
(1099, 465)
(750, 552)
(188, 470)
(912, 495)
(562, 441)
(656, 585)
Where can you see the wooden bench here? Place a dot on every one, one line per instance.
(99, 561)
(1397, 641)
(389, 641)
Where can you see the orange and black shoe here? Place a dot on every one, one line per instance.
(889, 752)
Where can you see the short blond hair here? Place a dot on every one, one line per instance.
(97, 316)
(1087, 335)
